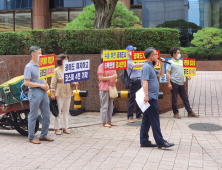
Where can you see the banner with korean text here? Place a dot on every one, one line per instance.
(115, 60)
(46, 66)
(138, 57)
(76, 71)
(189, 67)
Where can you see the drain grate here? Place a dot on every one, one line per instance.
(205, 127)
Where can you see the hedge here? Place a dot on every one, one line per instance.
(203, 53)
(89, 41)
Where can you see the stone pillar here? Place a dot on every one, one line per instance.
(127, 3)
(41, 14)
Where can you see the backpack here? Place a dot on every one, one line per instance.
(125, 78)
(24, 92)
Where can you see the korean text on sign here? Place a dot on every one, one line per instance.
(115, 60)
(189, 67)
(138, 57)
(46, 66)
(76, 71)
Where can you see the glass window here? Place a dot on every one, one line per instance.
(29, 4)
(23, 21)
(59, 19)
(136, 2)
(71, 3)
(73, 15)
(56, 3)
(2, 4)
(6, 22)
(16, 4)
(87, 2)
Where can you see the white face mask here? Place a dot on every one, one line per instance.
(130, 53)
(178, 56)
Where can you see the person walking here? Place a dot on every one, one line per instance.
(106, 79)
(150, 86)
(62, 93)
(175, 81)
(37, 96)
(134, 85)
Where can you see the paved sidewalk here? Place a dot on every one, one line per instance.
(117, 148)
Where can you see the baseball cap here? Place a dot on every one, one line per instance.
(130, 47)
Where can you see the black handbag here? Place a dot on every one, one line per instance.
(54, 107)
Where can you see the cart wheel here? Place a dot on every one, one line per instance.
(21, 117)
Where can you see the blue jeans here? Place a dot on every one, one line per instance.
(151, 118)
(38, 98)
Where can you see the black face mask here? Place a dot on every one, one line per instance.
(101, 60)
(154, 63)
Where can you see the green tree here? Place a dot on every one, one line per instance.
(208, 38)
(121, 18)
(186, 30)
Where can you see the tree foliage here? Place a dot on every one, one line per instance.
(208, 38)
(121, 18)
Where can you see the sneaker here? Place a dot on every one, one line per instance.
(177, 116)
(131, 120)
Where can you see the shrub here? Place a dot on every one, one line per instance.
(89, 41)
(122, 18)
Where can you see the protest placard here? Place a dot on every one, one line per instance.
(76, 71)
(115, 60)
(138, 57)
(189, 67)
(46, 66)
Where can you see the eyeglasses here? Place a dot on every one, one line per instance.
(154, 54)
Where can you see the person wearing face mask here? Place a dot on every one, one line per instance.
(106, 79)
(37, 96)
(150, 86)
(134, 84)
(175, 81)
(63, 93)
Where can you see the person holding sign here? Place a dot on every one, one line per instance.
(175, 81)
(134, 84)
(37, 97)
(106, 79)
(63, 93)
(150, 87)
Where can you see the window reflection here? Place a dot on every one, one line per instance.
(71, 3)
(87, 2)
(6, 22)
(22, 21)
(59, 19)
(16, 4)
(2, 4)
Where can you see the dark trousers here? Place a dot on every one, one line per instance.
(134, 87)
(182, 92)
(151, 118)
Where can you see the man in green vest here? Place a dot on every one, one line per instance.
(175, 81)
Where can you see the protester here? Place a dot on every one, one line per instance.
(106, 79)
(175, 81)
(150, 86)
(62, 93)
(134, 85)
(37, 97)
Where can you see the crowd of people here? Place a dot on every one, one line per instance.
(147, 78)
